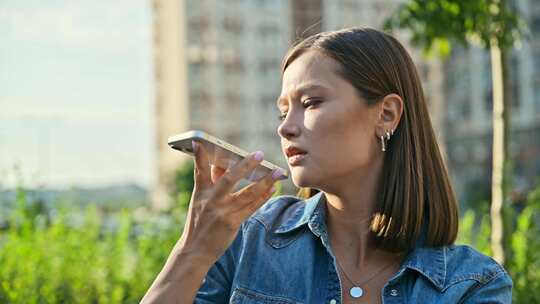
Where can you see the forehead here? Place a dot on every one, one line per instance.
(311, 70)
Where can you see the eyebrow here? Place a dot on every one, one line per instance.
(304, 88)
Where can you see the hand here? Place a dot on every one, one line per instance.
(215, 214)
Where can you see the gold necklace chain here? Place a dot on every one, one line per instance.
(365, 281)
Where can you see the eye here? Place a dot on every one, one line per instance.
(310, 102)
(306, 104)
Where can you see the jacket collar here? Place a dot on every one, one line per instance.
(313, 213)
(430, 262)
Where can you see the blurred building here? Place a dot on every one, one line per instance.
(217, 68)
(468, 92)
(172, 111)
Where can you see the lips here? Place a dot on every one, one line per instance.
(296, 159)
(295, 155)
(292, 151)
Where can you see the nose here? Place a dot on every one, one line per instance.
(288, 128)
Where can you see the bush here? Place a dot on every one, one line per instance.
(524, 266)
(84, 255)
(81, 257)
(88, 256)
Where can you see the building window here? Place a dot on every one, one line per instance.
(201, 99)
(268, 30)
(535, 24)
(514, 80)
(466, 109)
(307, 18)
(233, 66)
(536, 78)
(198, 24)
(536, 84)
(269, 65)
(488, 100)
(536, 61)
(233, 25)
(233, 99)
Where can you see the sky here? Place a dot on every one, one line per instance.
(76, 93)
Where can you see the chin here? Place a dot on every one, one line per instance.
(299, 178)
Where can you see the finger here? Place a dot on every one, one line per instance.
(227, 182)
(202, 172)
(217, 172)
(254, 190)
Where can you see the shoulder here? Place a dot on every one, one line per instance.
(465, 262)
(459, 273)
(492, 283)
(448, 265)
(478, 276)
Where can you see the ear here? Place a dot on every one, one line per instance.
(389, 113)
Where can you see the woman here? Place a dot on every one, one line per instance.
(355, 127)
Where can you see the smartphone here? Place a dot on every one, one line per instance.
(221, 153)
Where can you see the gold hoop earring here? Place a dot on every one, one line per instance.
(383, 146)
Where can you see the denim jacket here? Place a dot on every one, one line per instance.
(281, 255)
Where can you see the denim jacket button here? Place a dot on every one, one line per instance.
(393, 293)
(333, 301)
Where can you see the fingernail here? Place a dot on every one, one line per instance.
(259, 155)
(277, 174)
(195, 146)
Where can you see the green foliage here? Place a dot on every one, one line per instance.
(475, 231)
(182, 184)
(524, 267)
(81, 256)
(183, 178)
(87, 255)
(436, 24)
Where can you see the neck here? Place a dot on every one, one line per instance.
(349, 214)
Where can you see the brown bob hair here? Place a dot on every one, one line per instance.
(416, 202)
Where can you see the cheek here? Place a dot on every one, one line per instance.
(344, 141)
(346, 153)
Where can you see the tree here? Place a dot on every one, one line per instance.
(492, 24)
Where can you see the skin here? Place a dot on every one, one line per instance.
(341, 135)
(214, 217)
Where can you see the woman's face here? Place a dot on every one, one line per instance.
(326, 118)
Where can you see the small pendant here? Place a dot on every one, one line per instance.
(356, 292)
